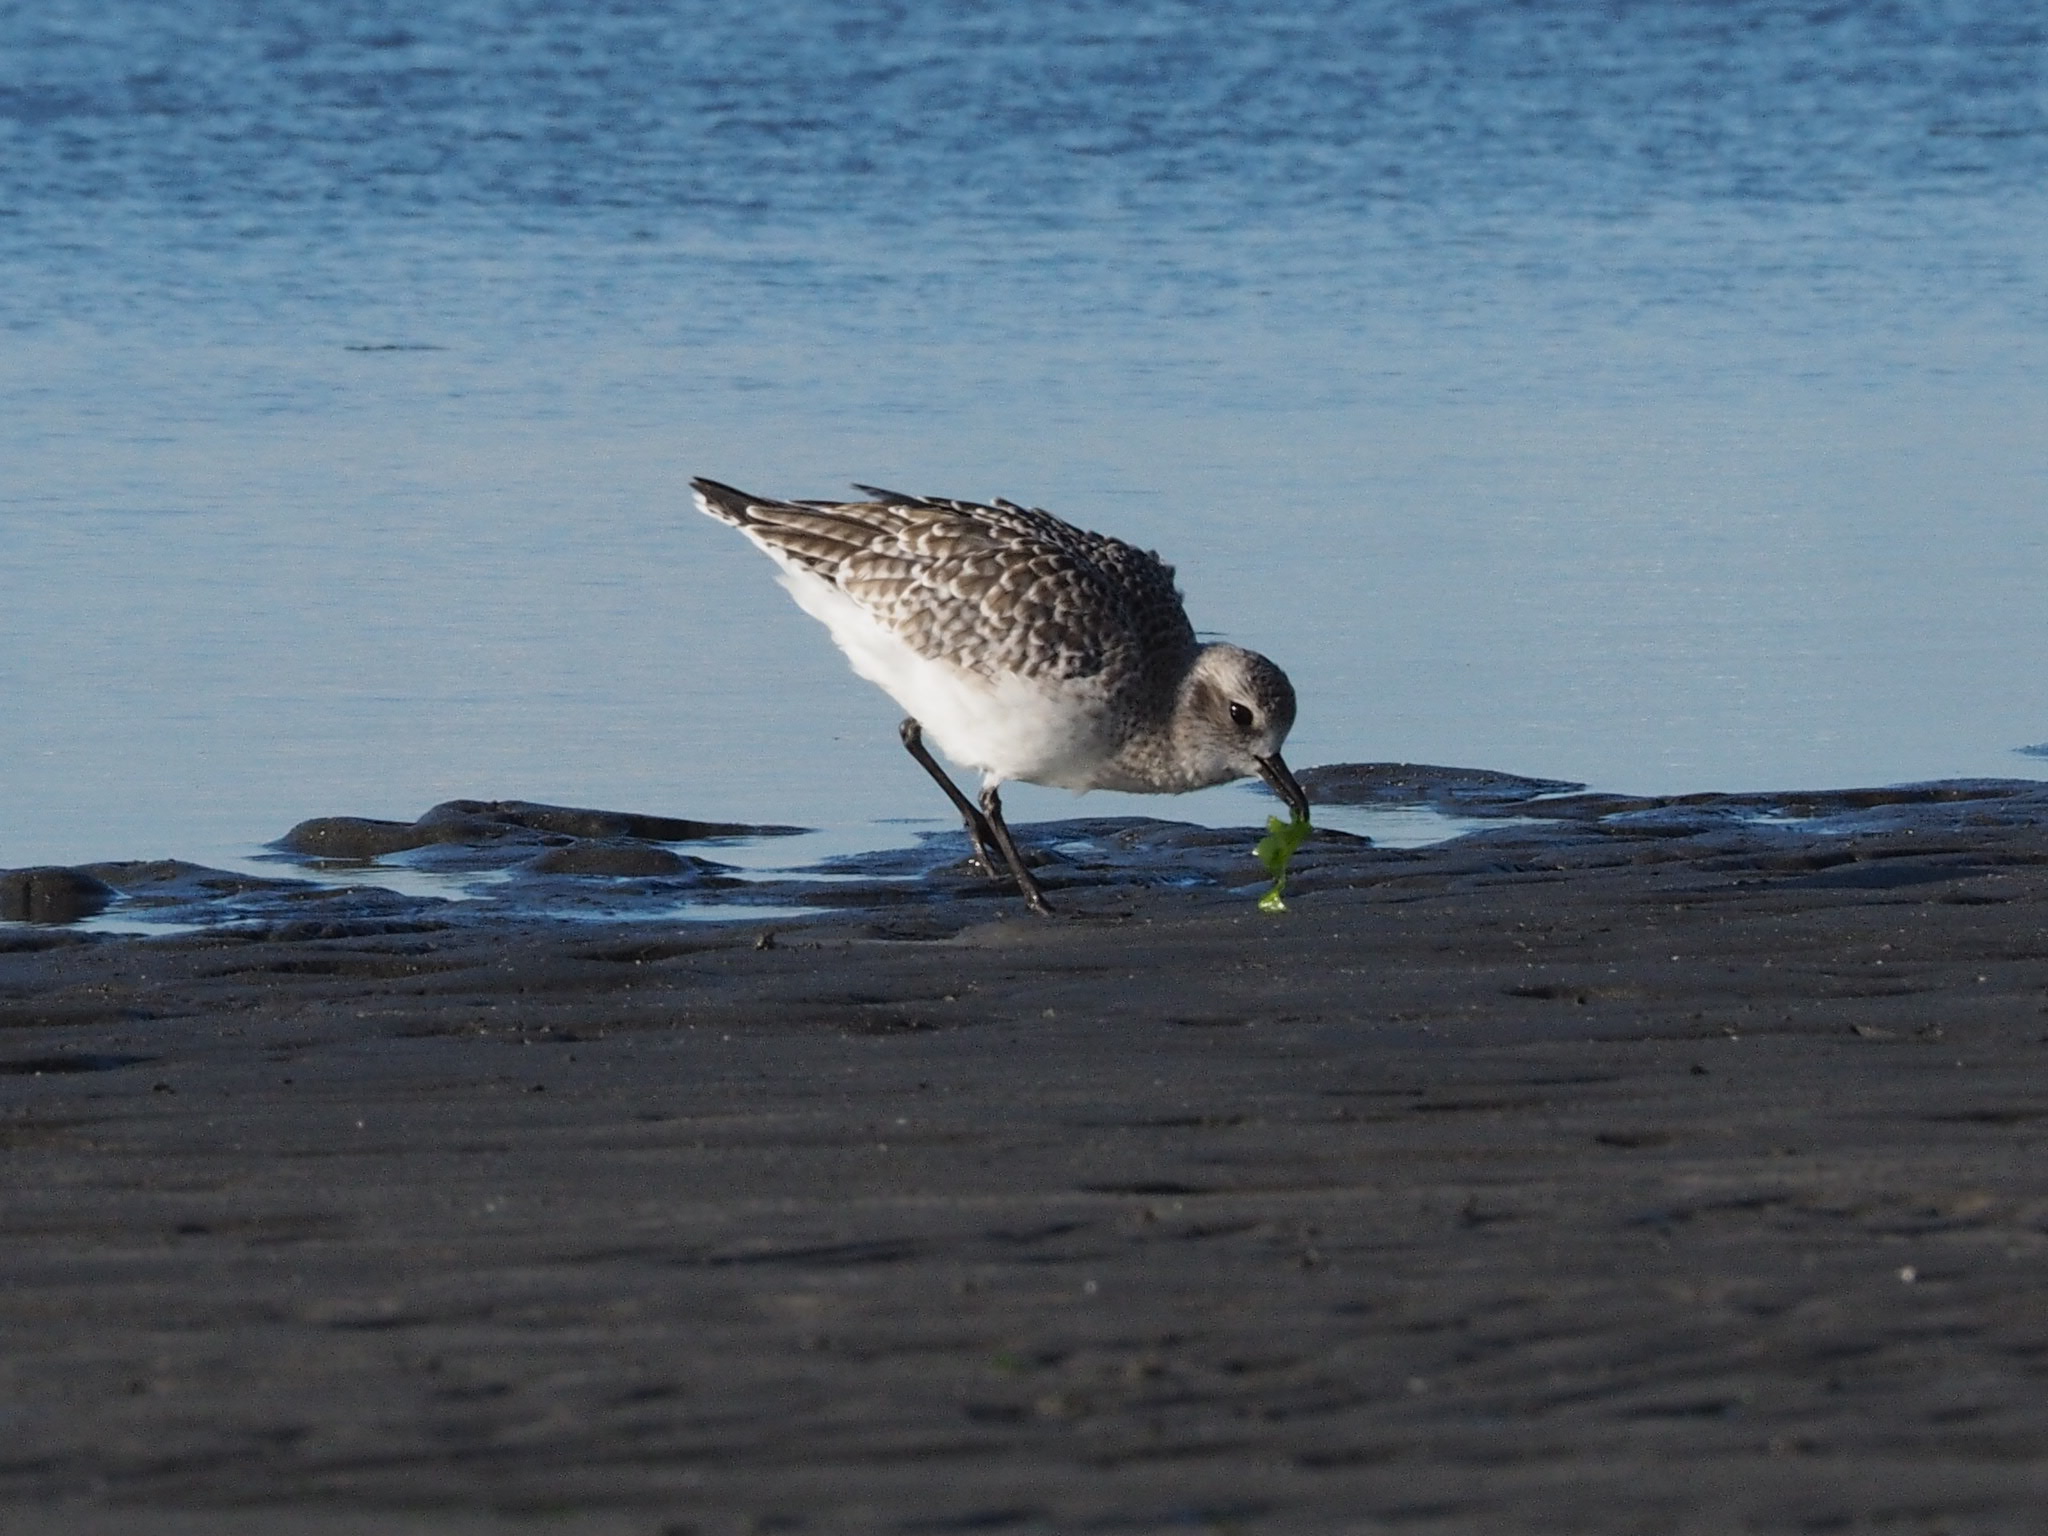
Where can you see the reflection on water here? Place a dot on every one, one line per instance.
(782, 865)
(118, 921)
(1641, 395)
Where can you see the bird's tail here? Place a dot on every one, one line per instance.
(724, 502)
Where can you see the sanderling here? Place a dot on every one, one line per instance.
(1030, 649)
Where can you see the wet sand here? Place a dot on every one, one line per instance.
(1678, 1167)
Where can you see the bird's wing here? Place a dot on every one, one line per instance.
(997, 588)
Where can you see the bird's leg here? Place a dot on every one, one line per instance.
(979, 832)
(992, 808)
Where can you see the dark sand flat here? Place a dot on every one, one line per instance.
(1643, 1179)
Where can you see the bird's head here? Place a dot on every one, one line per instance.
(1236, 709)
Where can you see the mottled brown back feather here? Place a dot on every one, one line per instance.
(998, 588)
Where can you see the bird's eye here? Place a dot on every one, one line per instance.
(1240, 717)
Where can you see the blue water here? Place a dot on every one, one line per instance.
(1651, 395)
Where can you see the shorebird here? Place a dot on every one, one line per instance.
(1028, 648)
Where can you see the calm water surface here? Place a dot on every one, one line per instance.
(1654, 396)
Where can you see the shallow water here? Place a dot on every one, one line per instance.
(1652, 397)
(767, 875)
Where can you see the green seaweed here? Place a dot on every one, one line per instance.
(1274, 851)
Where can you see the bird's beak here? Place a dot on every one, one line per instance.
(1282, 783)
